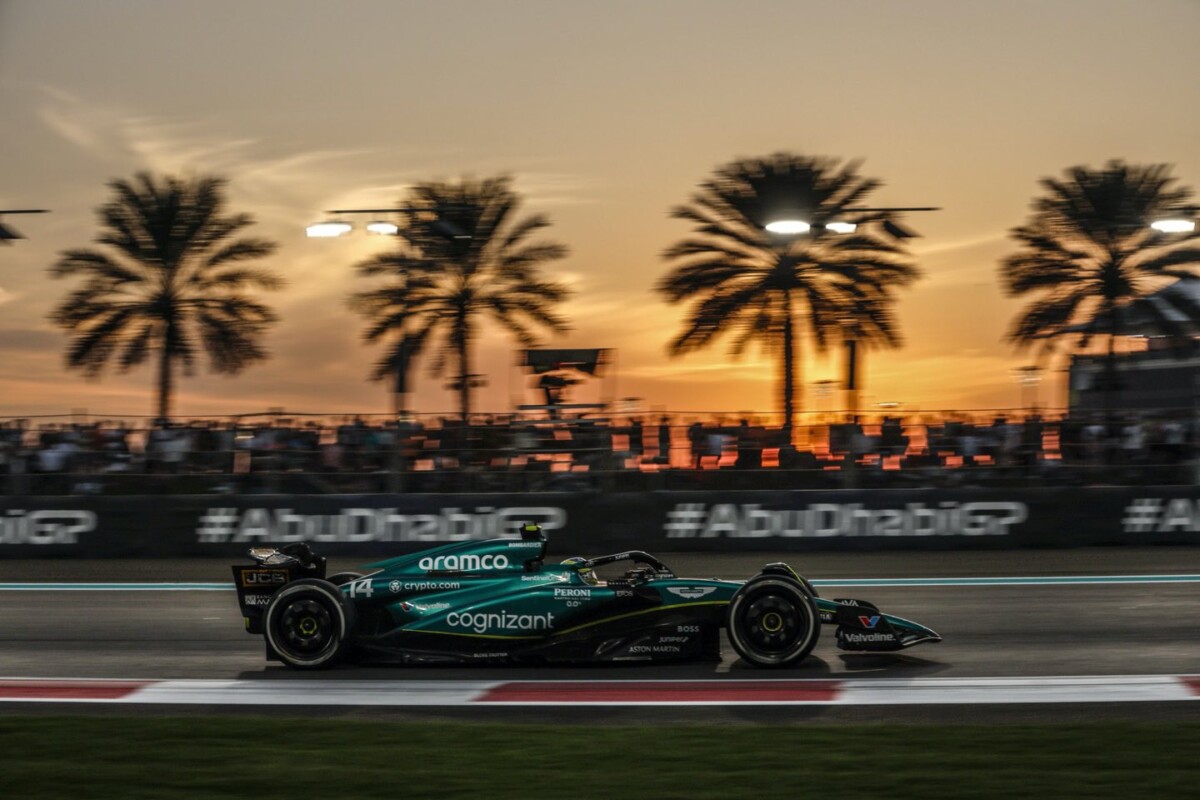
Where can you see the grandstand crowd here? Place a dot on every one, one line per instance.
(280, 453)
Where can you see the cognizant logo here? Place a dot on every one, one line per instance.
(464, 563)
(502, 620)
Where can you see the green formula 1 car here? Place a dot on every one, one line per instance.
(499, 600)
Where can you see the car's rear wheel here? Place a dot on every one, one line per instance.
(772, 621)
(306, 624)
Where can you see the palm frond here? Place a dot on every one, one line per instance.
(1086, 253)
(442, 284)
(167, 279)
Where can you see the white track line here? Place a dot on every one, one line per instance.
(313, 693)
(934, 691)
(712, 692)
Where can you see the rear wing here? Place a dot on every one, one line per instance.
(273, 569)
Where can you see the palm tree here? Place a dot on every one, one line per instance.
(170, 280)
(1089, 257)
(462, 253)
(770, 290)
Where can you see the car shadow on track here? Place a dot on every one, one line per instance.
(874, 665)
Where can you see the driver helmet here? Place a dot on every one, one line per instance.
(586, 573)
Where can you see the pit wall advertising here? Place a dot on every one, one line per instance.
(378, 525)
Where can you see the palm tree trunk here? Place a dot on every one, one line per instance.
(1110, 394)
(464, 361)
(1110, 376)
(789, 367)
(164, 378)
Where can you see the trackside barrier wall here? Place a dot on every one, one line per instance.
(379, 525)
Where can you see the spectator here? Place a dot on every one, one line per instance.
(696, 440)
(1133, 441)
(636, 440)
(749, 447)
(663, 456)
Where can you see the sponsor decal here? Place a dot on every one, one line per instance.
(45, 527)
(819, 520)
(467, 562)
(257, 599)
(394, 587)
(228, 524)
(407, 607)
(483, 621)
(669, 639)
(571, 592)
(531, 545)
(428, 609)
(866, 638)
(263, 577)
(691, 592)
(645, 649)
(543, 578)
(868, 622)
(828, 616)
(425, 586)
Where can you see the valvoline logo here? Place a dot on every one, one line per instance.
(868, 622)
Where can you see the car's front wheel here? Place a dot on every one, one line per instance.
(306, 624)
(772, 621)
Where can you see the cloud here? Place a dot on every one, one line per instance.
(167, 144)
(94, 129)
(971, 243)
(554, 189)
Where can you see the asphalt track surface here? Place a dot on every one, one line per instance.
(1090, 628)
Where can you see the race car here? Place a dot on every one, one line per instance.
(500, 601)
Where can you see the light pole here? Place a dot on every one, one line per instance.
(1029, 377)
(9, 235)
(337, 227)
(791, 226)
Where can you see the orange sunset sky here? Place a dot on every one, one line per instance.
(607, 114)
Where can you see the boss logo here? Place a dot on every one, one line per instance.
(264, 577)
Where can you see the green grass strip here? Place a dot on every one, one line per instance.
(224, 757)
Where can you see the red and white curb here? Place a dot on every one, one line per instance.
(921, 691)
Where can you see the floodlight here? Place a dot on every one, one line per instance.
(383, 227)
(8, 234)
(330, 229)
(1174, 225)
(788, 226)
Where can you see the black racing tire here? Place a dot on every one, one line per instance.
(307, 624)
(342, 578)
(772, 621)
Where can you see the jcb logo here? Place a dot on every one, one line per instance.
(264, 577)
